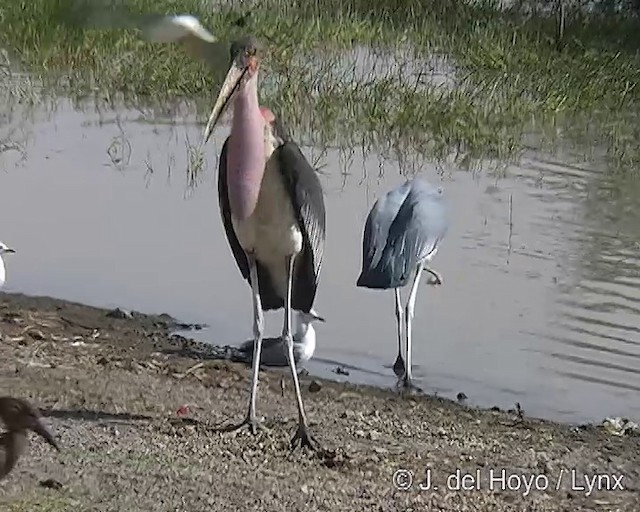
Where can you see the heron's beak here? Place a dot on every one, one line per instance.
(8, 250)
(39, 428)
(227, 92)
(314, 316)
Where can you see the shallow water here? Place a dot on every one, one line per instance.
(363, 65)
(545, 315)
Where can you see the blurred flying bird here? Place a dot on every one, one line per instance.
(18, 416)
(158, 28)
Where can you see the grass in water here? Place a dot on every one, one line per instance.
(363, 72)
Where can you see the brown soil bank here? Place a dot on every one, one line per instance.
(110, 388)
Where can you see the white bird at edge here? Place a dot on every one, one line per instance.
(4, 249)
(274, 350)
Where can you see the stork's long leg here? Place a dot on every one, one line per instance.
(302, 435)
(409, 318)
(258, 329)
(398, 366)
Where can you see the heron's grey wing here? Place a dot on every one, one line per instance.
(305, 189)
(419, 226)
(371, 237)
(376, 233)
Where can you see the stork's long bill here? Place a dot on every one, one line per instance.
(235, 79)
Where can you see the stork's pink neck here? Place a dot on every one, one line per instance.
(246, 157)
(267, 114)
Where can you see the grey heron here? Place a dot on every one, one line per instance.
(4, 249)
(274, 351)
(402, 234)
(19, 416)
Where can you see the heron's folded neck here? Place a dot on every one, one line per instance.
(246, 158)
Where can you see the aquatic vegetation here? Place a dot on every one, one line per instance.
(439, 78)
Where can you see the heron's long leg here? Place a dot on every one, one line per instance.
(302, 435)
(258, 329)
(409, 318)
(398, 366)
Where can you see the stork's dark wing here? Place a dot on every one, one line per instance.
(268, 295)
(225, 213)
(305, 191)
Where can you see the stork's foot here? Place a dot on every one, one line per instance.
(398, 367)
(253, 424)
(407, 387)
(303, 438)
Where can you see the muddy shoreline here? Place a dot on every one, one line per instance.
(134, 411)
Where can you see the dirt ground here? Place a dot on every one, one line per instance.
(115, 392)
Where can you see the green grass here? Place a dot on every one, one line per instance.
(42, 502)
(512, 77)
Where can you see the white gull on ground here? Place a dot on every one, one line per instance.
(4, 249)
(274, 350)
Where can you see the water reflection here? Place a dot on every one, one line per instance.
(540, 297)
(363, 66)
